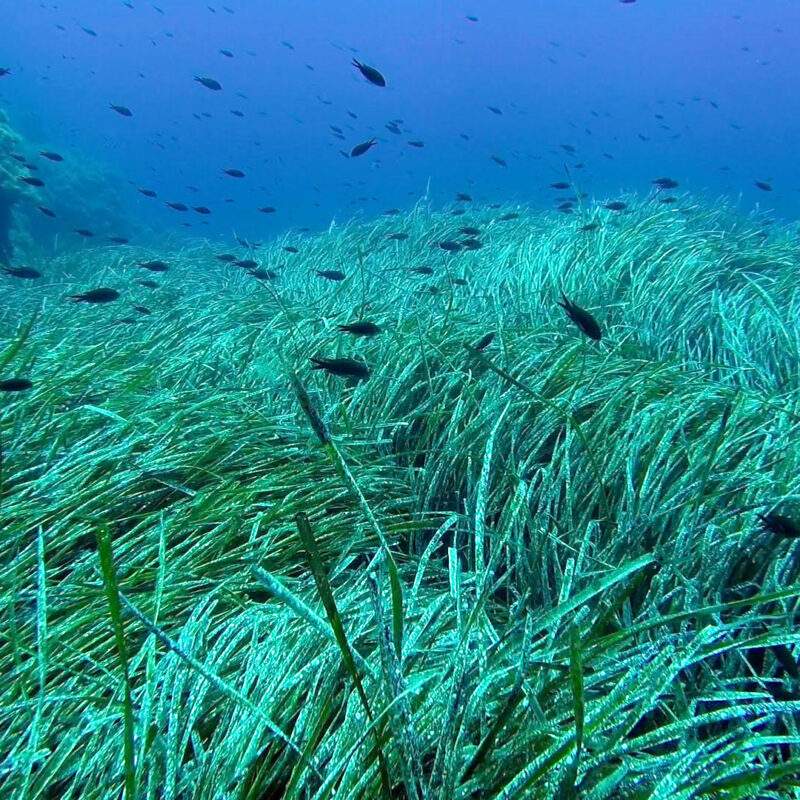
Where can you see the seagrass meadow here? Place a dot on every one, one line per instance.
(534, 569)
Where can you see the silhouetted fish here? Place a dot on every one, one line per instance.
(370, 73)
(85, 232)
(331, 274)
(15, 385)
(178, 206)
(118, 239)
(583, 319)
(267, 210)
(147, 192)
(101, 295)
(362, 148)
(28, 273)
(37, 182)
(51, 156)
(155, 266)
(201, 209)
(209, 83)
(123, 110)
(361, 328)
(234, 173)
(763, 185)
(46, 211)
(344, 367)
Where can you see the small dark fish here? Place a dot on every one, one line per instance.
(460, 281)
(263, 274)
(201, 209)
(484, 342)
(148, 284)
(226, 53)
(508, 217)
(568, 147)
(560, 185)
(471, 18)
(85, 232)
(46, 211)
(15, 385)
(463, 197)
(51, 156)
(101, 295)
(142, 309)
(779, 524)
(246, 263)
(397, 237)
(123, 110)
(228, 258)
(29, 273)
(665, 183)
(416, 143)
(616, 205)
(89, 31)
(234, 173)
(370, 73)
(237, 113)
(763, 185)
(591, 226)
(469, 231)
(362, 148)
(118, 239)
(500, 161)
(668, 200)
(583, 319)
(472, 244)
(4, 71)
(209, 83)
(267, 210)
(331, 274)
(290, 249)
(178, 206)
(422, 270)
(450, 247)
(344, 367)
(31, 181)
(361, 328)
(155, 266)
(18, 157)
(147, 192)
(495, 110)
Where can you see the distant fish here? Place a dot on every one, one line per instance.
(147, 192)
(448, 246)
(590, 226)
(471, 18)
(142, 309)
(343, 367)
(46, 211)
(226, 53)
(37, 182)
(583, 319)
(85, 232)
(28, 273)
(267, 210)
(234, 173)
(263, 274)
(118, 239)
(463, 197)
(227, 258)
(201, 209)
(246, 263)
(155, 266)
(468, 231)
(665, 183)
(495, 110)
(209, 83)
(370, 73)
(560, 185)
(422, 270)
(416, 143)
(123, 110)
(500, 161)
(616, 205)
(397, 237)
(483, 343)
(290, 249)
(148, 284)
(51, 156)
(4, 71)
(362, 148)
(780, 525)
(15, 385)
(178, 206)
(331, 274)
(89, 31)
(508, 217)
(472, 244)
(568, 148)
(361, 328)
(101, 295)
(763, 185)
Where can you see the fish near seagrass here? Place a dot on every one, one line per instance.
(582, 318)
(343, 367)
(780, 525)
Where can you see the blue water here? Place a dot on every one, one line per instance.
(702, 91)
